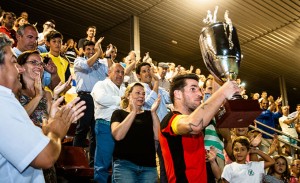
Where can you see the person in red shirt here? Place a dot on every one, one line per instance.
(7, 26)
(181, 137)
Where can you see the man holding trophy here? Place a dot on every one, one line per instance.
(181, 137)
(221, 54)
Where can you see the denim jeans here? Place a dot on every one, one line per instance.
(104, 150)
(127, 172)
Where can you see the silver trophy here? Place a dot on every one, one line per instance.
(221, 54)
(220, 48)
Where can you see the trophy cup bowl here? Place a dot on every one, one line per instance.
(221, 54)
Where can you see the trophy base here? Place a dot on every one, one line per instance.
(237, 113)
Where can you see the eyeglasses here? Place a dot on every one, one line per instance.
(50, 25)
(35, 63)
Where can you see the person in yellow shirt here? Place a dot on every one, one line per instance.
(54, 41)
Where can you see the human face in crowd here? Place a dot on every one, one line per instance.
(255, 96)
(264, 104)
(24, 15)
(145, 74)
(113, 54)
(163, 72)
(295, 167)
(264, 95)
(91, 32)
(285, 110)
(171, 66)
(240, 153)
(89, 51)
(191, 95)
(116, 74)
(241, 131)
(22, 21)
(10, 71)
(27, 41)
(48, 26)
(137, 95)
(209, 87)
(198, 71)
(55, 45)
(33, 67)
(9, 21)
(280, 166)
(298, 108)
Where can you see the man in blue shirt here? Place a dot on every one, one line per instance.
(88, 70)
(151, 83)
(267, 117)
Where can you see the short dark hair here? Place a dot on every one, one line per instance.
(88, 43)
(53, 34)
(179, 82)
(52, 21)
(92, 26)
(4, 41)
(140, 65)
(205, 82)
(7, 13)
(244, 141)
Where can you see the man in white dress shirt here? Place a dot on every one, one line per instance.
(25, 149)
(107, 97)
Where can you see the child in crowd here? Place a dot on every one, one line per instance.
(235, 132)
(295, 171)
(241, 170)
(279, 172)
(214, 171)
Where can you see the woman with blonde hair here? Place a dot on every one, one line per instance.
(135, 131)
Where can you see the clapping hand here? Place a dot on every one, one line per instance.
(61, 87)
(98, 47)
(109, 50)
(255, 141)
(39, 91)
(211, 154)
(132, 105)
(146, 57)
(61, 117)
(156, 103)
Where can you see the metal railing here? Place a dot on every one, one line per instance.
(277, 131)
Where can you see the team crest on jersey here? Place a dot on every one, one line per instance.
(250, 172)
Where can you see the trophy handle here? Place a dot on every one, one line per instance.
(236, 96)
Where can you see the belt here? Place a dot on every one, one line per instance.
(103, 121)
(83, 93)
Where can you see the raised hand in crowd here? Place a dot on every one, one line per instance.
(62, 88)
(98, 47)
(109, 50)
(38, 87)
(60, 118)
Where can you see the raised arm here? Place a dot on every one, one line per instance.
(120, 129)
(156, 122)
(98, 53)
(201, 116)
(267, 159)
